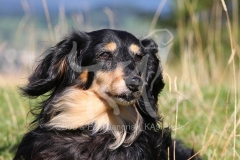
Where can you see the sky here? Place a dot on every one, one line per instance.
(14, 7)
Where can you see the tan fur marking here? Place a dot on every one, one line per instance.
(78, 108)
(84, 76)
(134, 48)
(60, 66)
(112, 82)
(111, 46)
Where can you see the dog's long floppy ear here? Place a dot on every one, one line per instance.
(154, 76)
(50, 72)
(147, 103)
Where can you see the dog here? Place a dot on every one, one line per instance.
(100, 94)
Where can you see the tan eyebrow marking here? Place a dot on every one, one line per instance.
(111, 46)
(134, 48)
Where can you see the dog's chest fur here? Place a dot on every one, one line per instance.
(80, 144)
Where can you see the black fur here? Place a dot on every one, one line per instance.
(53, 76)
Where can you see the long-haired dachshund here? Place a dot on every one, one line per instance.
(102, 90)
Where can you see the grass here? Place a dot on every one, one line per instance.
(200, 100)
(12, 121)
(205, 123)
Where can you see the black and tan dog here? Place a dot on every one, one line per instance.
(102, 89)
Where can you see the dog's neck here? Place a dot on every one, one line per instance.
(78, 108)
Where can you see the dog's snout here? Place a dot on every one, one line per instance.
(133, 83)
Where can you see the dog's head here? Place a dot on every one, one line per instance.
(106, 70)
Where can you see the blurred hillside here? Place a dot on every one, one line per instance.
(25, 32)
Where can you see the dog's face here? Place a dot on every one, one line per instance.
(111, 69)
(115, 59)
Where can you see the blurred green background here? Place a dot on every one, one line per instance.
(201, 63)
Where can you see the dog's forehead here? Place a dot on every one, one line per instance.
(115, 38)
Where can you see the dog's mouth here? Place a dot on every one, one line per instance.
(125, 99)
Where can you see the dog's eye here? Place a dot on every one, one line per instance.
(105, 55)
(138, 58)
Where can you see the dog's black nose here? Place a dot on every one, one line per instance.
(133, 83)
